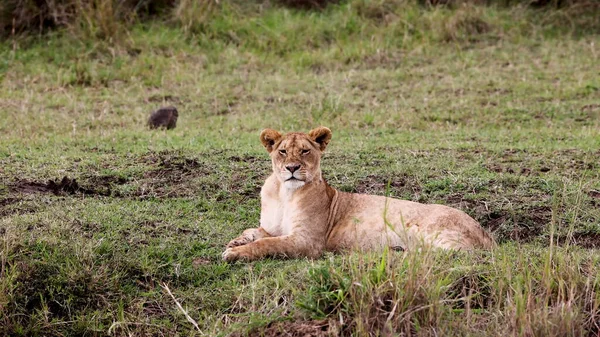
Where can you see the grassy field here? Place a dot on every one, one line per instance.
(495, 111)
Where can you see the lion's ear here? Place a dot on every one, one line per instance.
(268, 138)
(321, 135)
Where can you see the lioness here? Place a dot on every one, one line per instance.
(301, 215)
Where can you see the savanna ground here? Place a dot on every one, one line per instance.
(493, 110)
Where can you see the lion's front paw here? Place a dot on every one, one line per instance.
(238, 242)
(229, 255)
(237, 253)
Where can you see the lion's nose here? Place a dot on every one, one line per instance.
(292, 168)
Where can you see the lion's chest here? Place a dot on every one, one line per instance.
(277, 217)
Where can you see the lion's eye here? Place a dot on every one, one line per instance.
(305, 151)
(282, 152)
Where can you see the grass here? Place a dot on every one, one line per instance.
(491, 110)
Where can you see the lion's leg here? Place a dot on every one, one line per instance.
(288, 246)
(249, 235)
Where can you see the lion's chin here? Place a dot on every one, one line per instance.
(293, 184)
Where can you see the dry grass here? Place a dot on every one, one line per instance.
(110, 19)
(545, 293)
(193, 14)
(103, 19)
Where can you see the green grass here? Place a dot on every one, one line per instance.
(490, 110)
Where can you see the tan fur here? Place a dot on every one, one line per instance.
(304, 216)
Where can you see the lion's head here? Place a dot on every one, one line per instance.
(296, 156)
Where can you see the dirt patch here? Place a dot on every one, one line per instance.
(496, 219)
(525, 171)
(8, 207)
(106, 180)
(587, 240)
(522, 223)
(591, 108)
(8, 201)
(397, 185)
(479, 210)
(169, 162)
(174, 175)
(529, 222)
(470, 290)
(176, 163)
(246, 184)
(245, 159)
(563, 162)
(507, 169)
(37, 283)
(65, 186)
(494, 168)
(164, 98)
(293, 329)
(248, 175)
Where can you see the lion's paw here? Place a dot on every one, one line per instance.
(230, 255)
(238, 242)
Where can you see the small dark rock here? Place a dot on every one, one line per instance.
(164, 118)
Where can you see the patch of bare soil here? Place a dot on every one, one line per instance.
(171, 162)
(105, 181)
(499, 169)
(293, 329)
(248, 174)
(245, 159)
(523, 223)
(561, 162)
(8, 201)
(8, 206)
(595, 196)
(397, 185)
(246, 184)
(586, 240)
(168, 174)
(172, 175)
(470, 290)
(164, 98)
(529, 222)
(65, 186)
